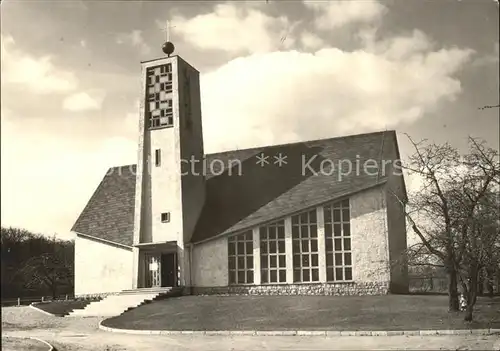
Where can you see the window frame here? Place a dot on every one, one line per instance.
(300, 255)
(273, 235)
(335, 217)
(246, 240)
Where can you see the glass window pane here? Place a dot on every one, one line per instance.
(337, 230)
(348, 273)
(262, 233)
(345, 203)
(327, 214)
(329, 260)
(272, 247)
(281, 246)
(305, 260)
(231, 249)
(274, 276)
(263, 247)
(241, 277)
(295, 231)
(232, 262)
(314, 245)
(328, 230)
(263, 276)
(296, 275)
(305, 246)
(249, 247)
(232, 277)
(338, 259)
(347, 244)
(329, 245)
(282, 261)
(313, 230)
(338, 274)
(347, 229)
(345, 215)
(305, 275)
(314, 260)
(296, 246)
(249, 235)
(303, 218)
(336, 215)
(295, 219)
(263, 261)
(338, 244)
(241, 262)
(304, 231)
(312, 216)
(347, 258)
(272, 232)
(241, 248)
(281, 232)
(315, 275)
(329, 274)
(282, 276)
(250, 262)
(273, 261)
(296, 261)
(250, 277)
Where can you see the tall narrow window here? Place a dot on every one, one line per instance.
(159, 89)
(240, 258)
(157, 157)
(338, 242)
(305, 247)
(272, 253)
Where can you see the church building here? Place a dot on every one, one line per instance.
(316, 217)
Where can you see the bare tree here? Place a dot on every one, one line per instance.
(453, 185)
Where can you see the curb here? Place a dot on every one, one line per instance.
(40, 310)
(324, 333)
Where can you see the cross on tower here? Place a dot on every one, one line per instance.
(166, 29)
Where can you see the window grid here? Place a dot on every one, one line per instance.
(240, 258)
(159, 105)
(338, 242)
(305, 247)
(272, 253)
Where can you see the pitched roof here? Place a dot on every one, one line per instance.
(256, 194)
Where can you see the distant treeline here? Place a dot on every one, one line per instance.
(35, 265)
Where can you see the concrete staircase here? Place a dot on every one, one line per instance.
(126, 300)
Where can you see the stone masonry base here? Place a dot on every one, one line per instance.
(341, 289)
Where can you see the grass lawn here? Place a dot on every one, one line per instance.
(18, 344)
(62, 308)
(391, 312)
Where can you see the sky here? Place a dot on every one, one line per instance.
(271, 73)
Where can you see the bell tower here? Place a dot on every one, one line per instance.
(170, 191)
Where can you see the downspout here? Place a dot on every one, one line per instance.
(384, 202)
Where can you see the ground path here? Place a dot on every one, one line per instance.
(82, 334)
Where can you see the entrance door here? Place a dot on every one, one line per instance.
(168, 270)
(153, 269)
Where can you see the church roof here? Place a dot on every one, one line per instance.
(241, 198)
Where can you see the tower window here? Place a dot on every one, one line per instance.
(158, 157)
(165, 217)
(159, 109)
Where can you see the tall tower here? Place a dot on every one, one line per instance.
(170, 193)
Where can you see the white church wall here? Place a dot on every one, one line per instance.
(101, 268)
(369, 245)
(210, 263)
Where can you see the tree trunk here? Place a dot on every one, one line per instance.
(480, 283)
(472, 293)
(453, 305)
(489, 282)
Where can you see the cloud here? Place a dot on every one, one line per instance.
(234, 29)
(39, 75)
(310, 40)
(280, 97)
(488, 59)
(84, 101)
(335, 14)
(134, 39)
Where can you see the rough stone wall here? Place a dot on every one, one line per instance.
(342, 289)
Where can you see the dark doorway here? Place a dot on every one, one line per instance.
(169, 270)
